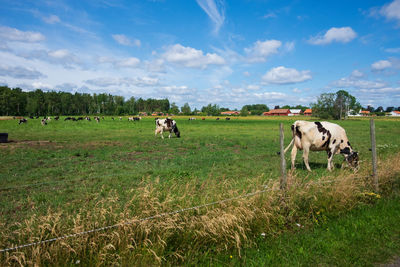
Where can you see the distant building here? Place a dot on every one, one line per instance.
(277, 112)
(230, 113)
(294, 112)
(308, 112)
(365, 113)
(395, 113)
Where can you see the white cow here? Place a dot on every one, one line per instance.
(166, 125)
(319, 136)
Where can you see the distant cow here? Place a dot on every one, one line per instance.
(23, 121)
(192, 119)
(56, 118)
(43, 122)
(166, 125)
(228, 119)
(319, 136)
(97, 119)
(130, 119)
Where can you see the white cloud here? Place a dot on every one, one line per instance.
(271, 95)
(114, 81)
(357, 83)
(12, 34)
(191, 57)
(261, 50)
(43, 86)
(215, 11)
(296, 90)
(20, 72)
(340, 35)
(392, 10)
(52, 19)
(176, 90)
(253, 87)
(282, 75)
(381, 65)
(131, 62)
(289, 46)
(61, 56)
(381, 90)
(124, 40)
(393, 50)
(357, 74)
(270, 15)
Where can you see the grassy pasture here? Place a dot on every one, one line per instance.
(68, 166)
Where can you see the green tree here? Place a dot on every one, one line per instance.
(186, 109)
(211, 110)
(335, 105)
(174, 109)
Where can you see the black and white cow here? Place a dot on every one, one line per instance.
(319, 136)
(23, 121)
(166, 125)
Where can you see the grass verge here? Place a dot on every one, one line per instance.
(183, 238)
(365, 237)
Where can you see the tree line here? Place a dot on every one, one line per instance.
(15, 102)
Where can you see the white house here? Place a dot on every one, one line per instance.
(395, 113)
(294, 112)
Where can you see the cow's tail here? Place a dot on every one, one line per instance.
(287, 148)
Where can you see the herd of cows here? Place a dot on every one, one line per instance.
(307, 136)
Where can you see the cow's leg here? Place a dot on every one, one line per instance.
(306, 151)
(170, 132)
(331, 152)
(293, 156)
(162, 133)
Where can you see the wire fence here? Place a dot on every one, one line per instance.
(139, 220)
(266, 189)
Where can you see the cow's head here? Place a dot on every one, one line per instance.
(351, 157)
(176, 131)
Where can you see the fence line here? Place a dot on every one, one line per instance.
(157, 216)
(139, 220)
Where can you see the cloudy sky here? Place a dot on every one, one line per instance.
(229, 53)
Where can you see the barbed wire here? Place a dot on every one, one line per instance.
(266, 189)
(139, 220)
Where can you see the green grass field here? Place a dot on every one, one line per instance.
(70, 167)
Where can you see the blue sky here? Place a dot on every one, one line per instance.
(229, 53)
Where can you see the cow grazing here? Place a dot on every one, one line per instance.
(43, 122)
(130, 119)
(228, 119)
(192, 119)
(166, 125)
(319, 136)
(97, 119)
(57, 118)
(23, 121)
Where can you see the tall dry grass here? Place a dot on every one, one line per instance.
(178, 238)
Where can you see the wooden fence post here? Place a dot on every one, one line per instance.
(283, 161)
(374, 158)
